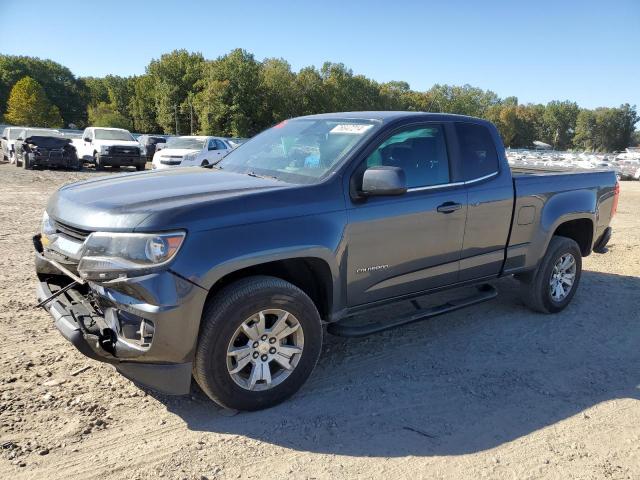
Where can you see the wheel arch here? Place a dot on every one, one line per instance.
(312, 275)
(581, 230)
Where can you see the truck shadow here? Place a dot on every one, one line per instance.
(455, 384)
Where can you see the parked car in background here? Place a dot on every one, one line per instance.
(191, 151)
(150, 142)
(113, 147)
(9, 135)
(24, 134)
(51, 151)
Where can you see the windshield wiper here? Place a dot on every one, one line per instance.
(254, 174)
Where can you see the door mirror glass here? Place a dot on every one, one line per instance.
(87, 139)
(383, 181)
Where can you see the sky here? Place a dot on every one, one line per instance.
(586, 51)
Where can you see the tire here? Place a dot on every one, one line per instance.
(537, 291)
(12, 157)
(205, 163)
(97, 162)
(141, 167)
(26, 163)
(237, 304)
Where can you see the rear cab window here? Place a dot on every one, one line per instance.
(477, 151)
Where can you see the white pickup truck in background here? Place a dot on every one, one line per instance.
(114, 147)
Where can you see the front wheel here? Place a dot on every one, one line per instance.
(140, 167)
(260, 340)
(26, 162)
(98, 162)
(552, 286)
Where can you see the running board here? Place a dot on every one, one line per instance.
(343, 329)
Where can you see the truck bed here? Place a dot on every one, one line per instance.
(519, 171)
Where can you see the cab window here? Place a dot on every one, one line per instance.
(477, 150)
(421, 151)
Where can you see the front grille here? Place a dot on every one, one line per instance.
(123, 150)
(71, 232)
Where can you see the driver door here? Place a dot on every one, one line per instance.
(404, 244)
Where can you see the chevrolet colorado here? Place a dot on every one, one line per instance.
(226, 274)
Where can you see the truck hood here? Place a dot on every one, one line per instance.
(165, 199)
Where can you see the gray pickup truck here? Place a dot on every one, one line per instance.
(227, 274)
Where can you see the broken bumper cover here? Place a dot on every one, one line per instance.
(146, 327)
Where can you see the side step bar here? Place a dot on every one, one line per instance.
(343, 329)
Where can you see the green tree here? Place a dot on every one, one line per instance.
(278, 84)
(560, 123)
(395, 96)
(311, 97)
(142, 105)
(606, 129)
(230, 102)
(62, 88)
(464, 100)
(175, 77)
(105, 115)
(28, 105)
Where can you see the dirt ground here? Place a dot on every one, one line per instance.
(493, 391)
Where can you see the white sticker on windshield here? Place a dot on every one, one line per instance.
(351, 128)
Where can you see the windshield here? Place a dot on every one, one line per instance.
(190, 143)
(102, 134)
(298, 151)
(13, 133)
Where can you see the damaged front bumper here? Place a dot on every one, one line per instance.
(146, 326)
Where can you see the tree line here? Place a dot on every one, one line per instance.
(238, 95)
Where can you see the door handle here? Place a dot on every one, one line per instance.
(449, 207)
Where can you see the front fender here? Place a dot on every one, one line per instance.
(208, 256)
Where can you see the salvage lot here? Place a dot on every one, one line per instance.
(492, 391)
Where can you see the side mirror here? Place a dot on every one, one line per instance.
(384, 180)
(19, 139)
(87, 139)
(4, 138)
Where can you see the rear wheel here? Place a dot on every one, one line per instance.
(260, 340)
(552, 286)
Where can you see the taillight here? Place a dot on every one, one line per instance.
(616, 195)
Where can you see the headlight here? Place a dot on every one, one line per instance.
(143, 150)
(47, 229)
(106, 255)
(104, 149)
